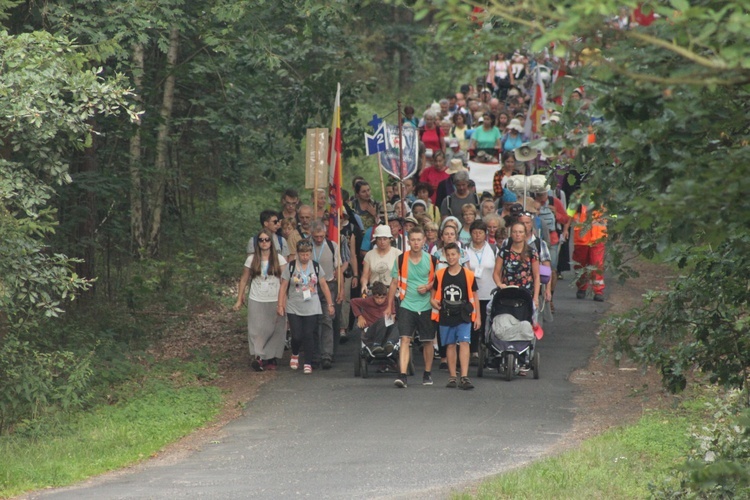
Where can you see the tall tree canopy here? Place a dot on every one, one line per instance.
(670, 160)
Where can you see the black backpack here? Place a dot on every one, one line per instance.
(448, 203)
(508, 244)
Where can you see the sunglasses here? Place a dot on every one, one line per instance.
(274, 221)
(264, 240)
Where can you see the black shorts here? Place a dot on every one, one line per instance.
(410, 322)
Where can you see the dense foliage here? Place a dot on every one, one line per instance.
(670, 159)
(671, 162)
(125, 210)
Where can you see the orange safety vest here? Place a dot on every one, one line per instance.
(597, 233)
(403, 272)
(469, 286)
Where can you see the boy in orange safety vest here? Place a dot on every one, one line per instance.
(455, 308)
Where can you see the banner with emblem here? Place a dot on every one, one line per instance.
(389, 158)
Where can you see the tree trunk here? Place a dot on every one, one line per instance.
(162, 146)
(86, 230)
(137, 234)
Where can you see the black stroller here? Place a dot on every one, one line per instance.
(509, 341)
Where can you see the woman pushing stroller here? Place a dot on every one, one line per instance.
(517, 263)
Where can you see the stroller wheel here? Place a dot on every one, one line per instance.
(535, 365)
(364, 367)
(510, 365)
(482, 355)
(358, 365)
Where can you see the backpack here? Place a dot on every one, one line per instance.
(293, 266)
(508, 244)
(255, 238)
(448, 202)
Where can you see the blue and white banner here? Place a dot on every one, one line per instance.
(375, 143)
(389, 157)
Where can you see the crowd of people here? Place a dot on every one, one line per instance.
(423, 261)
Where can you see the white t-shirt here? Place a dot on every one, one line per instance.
(381, 265)
(264, 288)
(484, 259)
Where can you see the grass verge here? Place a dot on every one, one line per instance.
(620, 463)
(61, 451)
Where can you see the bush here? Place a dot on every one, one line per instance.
(33, 383)
(717, 465)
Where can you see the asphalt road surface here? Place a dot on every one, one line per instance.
(331, 435)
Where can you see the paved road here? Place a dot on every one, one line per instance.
(331, 435)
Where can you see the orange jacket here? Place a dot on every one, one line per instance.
(470, 295)
(403, 273)
(588, 236)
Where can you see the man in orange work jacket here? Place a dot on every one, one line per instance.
(589, 237)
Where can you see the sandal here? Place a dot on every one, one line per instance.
(551, 307)
(294, 362)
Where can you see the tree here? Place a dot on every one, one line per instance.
(670, 159)
(49, 101)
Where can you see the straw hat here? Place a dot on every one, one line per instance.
(456, 166)
(515, 124)
(524, 152)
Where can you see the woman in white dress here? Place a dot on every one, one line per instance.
(266, 330)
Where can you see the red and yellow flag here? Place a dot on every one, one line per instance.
(334, 171)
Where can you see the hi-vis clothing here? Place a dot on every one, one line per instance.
(470, 294)
(403, 272)
(588, 236)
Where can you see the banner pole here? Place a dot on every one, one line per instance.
(382, 192)
(401, 160)
(315, 182)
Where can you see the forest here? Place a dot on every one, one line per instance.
(133, 132)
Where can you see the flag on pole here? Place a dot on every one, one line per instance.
(538, 109)
(334, 171)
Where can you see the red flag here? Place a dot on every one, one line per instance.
(334, 171)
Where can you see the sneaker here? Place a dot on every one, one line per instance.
(443, 366)
(400, 382)
(389, 347)
(427, 378)
(307, 370)
(466, 384)
(560, 276)
(294, 362)
(343, 337)
(599, 297)
(257, 364)
(474, 359)
(451, 383)
(377, 348)
(326, 364)
(581, 294)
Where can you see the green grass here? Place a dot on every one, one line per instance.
(620, 463)
(65, 451)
